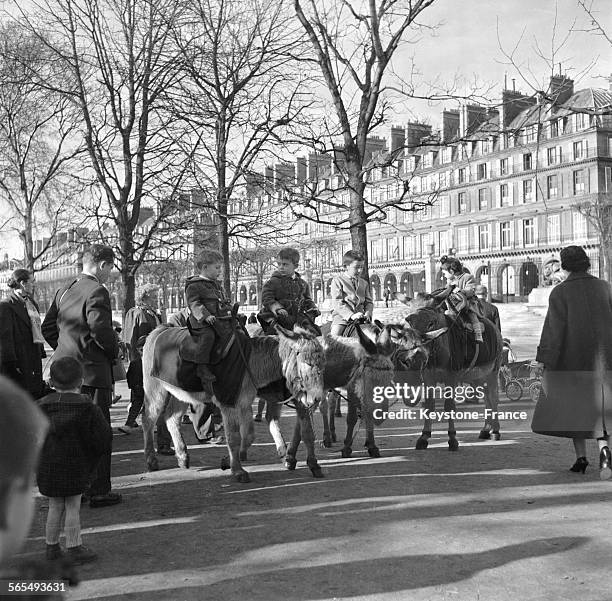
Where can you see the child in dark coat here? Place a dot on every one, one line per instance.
(79, 435)
(285, 295)
(206, 301)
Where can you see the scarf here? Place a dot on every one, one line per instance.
(35, 323)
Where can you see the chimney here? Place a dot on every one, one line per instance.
(450, 125)
(470, 117)
(396, 137)
(512, 104)
(415, 132)
(561, 88)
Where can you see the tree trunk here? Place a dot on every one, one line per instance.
(359, 235)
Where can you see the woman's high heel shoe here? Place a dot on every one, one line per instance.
(580, 465)
(605, 464)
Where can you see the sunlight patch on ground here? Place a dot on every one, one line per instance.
(134, 525)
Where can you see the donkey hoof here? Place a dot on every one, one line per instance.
(290, 462)
(453, 444)
(242, 477)
(152, 464)
(327, 443)
(496, 435)
(374, 452)
(225, 463)
(484, 435)
(184, 463)
(347, 452)
(317, 472)
(421, 444)
(243, 455)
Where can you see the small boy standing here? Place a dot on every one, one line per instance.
(350, 294)
(206, 301)
(286, 294)
(78, 437)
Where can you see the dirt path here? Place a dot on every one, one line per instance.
(494, 521)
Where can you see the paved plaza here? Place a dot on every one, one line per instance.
(495, 521)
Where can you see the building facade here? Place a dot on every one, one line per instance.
(504, 190)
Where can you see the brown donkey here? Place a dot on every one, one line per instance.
(297, 356)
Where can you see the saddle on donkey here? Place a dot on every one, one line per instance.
(462, 343)
(227, 359)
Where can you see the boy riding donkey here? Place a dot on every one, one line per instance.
(286, 297)
(286, 301)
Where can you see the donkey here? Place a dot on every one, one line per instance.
(356, 364)
(297, 356)
(425, 337)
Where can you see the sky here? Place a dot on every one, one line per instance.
(466, 45)
(471, 34)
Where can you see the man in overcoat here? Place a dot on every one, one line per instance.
(79, 324)
(576, 351)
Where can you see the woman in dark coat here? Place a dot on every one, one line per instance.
(576, 351)
(21, 348)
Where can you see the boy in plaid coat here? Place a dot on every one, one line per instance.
(78, 437)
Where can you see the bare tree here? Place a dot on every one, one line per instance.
(353, 44)
(240, 92)
(37, 149)
(120, 56)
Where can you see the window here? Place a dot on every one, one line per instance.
(504, 234)
(461, 175)
(579, 150)
(483, 198)
(579, 178)
(462, 238)
(483, 237)
(528, 231)
(554, 128)
(527, 190)
(504, 200)
(485, 147)
(409, 247)
(582, 121)
(531, 133)
(462, 202)
(608, 177)
(503, 166)
(610, 146)
(553, 155)
(481, 171)
(527, 162)
(553, 229)
(552, 189)
(447, 155)
(579, 225)
(444, 206)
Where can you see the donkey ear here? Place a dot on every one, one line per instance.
(385, 342)
(367, 344)
(434, 333)
(379, 324)
(285, 332)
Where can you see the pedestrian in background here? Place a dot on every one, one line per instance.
(79, 324)
(21, 338)
(140, 321)
(487, 309)
(78, 437)
(576, 352)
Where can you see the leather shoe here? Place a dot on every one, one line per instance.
(110, 498)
